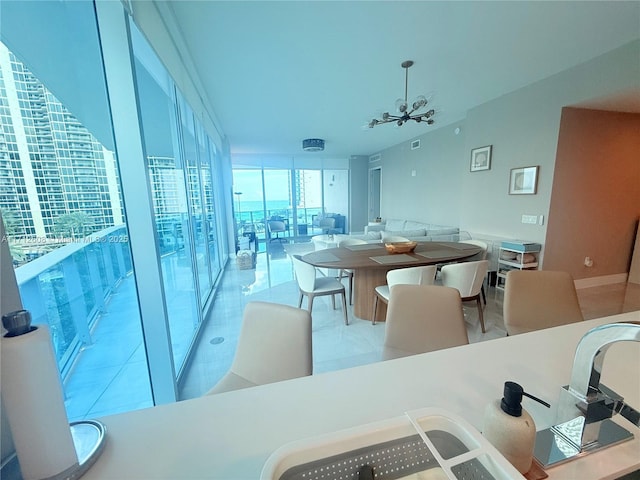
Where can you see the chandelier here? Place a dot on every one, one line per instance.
(404, 114)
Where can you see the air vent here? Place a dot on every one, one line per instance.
(415, 144)
(375, 158)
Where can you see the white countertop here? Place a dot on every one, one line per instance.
(230, 436)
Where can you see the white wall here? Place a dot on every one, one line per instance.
(433, 193)
(523, 128)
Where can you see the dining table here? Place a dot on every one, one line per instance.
(370, 263)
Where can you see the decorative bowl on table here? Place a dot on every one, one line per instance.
(400, 247)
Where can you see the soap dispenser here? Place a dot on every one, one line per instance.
(510, 428)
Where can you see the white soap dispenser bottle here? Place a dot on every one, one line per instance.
(510, 428)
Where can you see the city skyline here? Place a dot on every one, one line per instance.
(50, 164)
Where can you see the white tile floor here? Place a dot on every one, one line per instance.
(111, 374)
(336, 346)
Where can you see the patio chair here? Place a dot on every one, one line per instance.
(328, 225)
(277, 227)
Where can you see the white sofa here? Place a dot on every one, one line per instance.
(417, 231)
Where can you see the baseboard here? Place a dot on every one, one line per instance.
(599, 281)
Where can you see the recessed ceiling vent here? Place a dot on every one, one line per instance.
(415, 144)
(313, 144)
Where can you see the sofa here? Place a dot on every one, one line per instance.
(416, 231)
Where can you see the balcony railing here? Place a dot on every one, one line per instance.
(255, 219)
(67, 288)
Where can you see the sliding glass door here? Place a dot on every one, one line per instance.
(300, 197)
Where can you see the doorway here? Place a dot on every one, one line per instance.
(375, 182)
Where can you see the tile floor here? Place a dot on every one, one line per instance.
(335, 345)
(112, 376)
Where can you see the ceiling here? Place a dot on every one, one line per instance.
(279, 72)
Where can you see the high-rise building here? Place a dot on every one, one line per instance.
(50, 164)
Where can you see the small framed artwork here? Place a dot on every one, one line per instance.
(523, 181)
(481, 158)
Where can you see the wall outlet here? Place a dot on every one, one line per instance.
(532, 219)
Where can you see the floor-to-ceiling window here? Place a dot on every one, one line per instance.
(210, 227)
(175, 186)
(308, 195)
(61, 201)
(298, 192)
(67, 199)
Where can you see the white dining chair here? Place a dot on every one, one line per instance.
(274, 345)
(423, 318)
(482, 255)
(347, 272)
(423, 275)
(467, 278)
(313, 286)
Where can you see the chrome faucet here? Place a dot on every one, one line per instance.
(586, 406)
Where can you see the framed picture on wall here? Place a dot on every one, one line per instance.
(523, 181)
(481, 158)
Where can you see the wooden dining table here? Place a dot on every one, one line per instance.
(370, 263)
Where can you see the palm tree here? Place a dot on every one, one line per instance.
(11, 225)
(74, 225)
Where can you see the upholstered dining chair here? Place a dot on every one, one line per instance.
(424, 275)
(482, 255)
(277, 227)
(467, 278)
(537, 299)
(274, 345)
(346, 272)
(423, 318)
(313, 286)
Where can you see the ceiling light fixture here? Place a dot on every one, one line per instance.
(403, 107)
(313, 144)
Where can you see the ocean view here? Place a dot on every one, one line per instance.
(253, 210)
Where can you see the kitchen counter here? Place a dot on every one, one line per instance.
(230, 435)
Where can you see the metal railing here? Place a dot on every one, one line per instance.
(256, 220)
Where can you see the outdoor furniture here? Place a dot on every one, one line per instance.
(277, 227)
